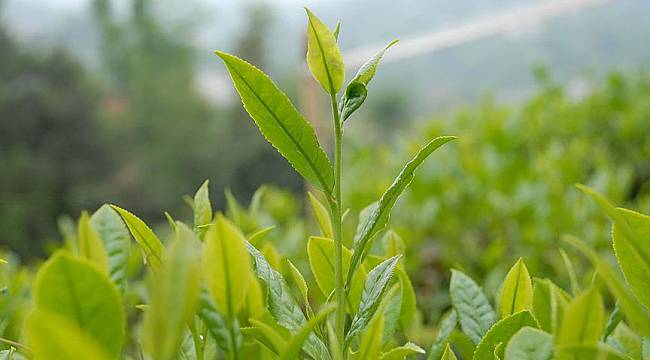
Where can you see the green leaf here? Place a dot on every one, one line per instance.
(636, 314)
(516, 291)
(322, 215)
(614, 319)
(631, 238)
(475, 314)
(321, 260)
(174, 295)
(370, 345)
(626, 341)
(409, 308)
(392, 305)
(401, 352)
(226, 267)
(266, 335)
(373, 290)
(447, 326)
(448, 354)
(357, 90)
(323, 55)
(575, 287)
(283, 306)
(257, 237)
(549, 302)
(378, 214)
(202, 209)
(583, 320)
(296, 343)
(299, 280)
(90, 244)
(530, 344)
(143, 235)
(588, 352)
(280, 123)
(502, 331)
(116, 239)
(214, 321)
(55, 337)
(78, 291)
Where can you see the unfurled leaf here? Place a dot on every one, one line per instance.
(151, 246)
(321, 252)
(392, 305)
(266, 335)
(636, 314)
(370, 345)
(475, 313)
(401, 352)
(116, 239)
(257, 237)
(447, 326)
(56, 337)
(530, 344)
(323, 217)
(283, 306)
(226, 266)
(357, 90)
(300, 282)
(575, 287)
(255, 298)
(91, 246)
(202, 210)
(631, 238)
(583, 320)
(323, 55)
(376, 283)
(409, 308)
(78, 291)
(448, 354)
(296, 343)
(516, 291)
(174, 295)
(501, 332)
(392, 244)
(378, 214)
(549, 302)
(214, 321)
(627, 342)
(280, 123)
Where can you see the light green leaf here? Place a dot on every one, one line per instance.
(502, 331)
(357, 90)
(174, 295)
(409, 308)
(78, 291)
(266, 335)
(202, 209)
(631, 238)
(296, 343)
(280, 123)
(447, 326)
(575, 287)
(392, 305)
(549, 302)
(378, 215)
(214, 321)
(373, 290)
(116, 239)
(530, 344)
(337, 29)
(299, 280)
(636, 314)
(151, 246)
(588, 352)
(323, 55)
(583, 320)
(474, 311)
(226, 266)
(516, 291)
(322, 215)
(370, 345)
(55, 337)
(321, 260)
(627, 342)
(90, 244)
(448, 354)
(392, 244)
(614, 319)
(401, 352)
(257, 237)
(283, 306)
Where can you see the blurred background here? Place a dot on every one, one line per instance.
(123, 101)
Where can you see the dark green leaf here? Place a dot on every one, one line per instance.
(501, 332)
(474, 311)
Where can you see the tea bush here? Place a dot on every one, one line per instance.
(218, 288)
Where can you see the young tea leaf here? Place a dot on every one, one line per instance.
(530, 344)
(402, 352)
(280, 123)
(226, 266)
(447, 326)
(266, 335)
(323, 217)
(474, 311)
(501, 332)
(202, 210)
(143, 235)
(583, 320)
(78, 291)
(370, 346)
(378, 215)
(376, 283)
(215, 323)
(392, 305)
(516, 291)
(91, 246)
(448, 354)
(296, 343)
(323, 55)
(116, 239)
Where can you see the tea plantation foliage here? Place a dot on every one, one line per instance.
(260, 281)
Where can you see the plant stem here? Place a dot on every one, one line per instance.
(233, 341)
(338, 239)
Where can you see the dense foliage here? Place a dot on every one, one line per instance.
(219, 288)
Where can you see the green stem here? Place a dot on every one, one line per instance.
(335, 208)
(233, 340)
